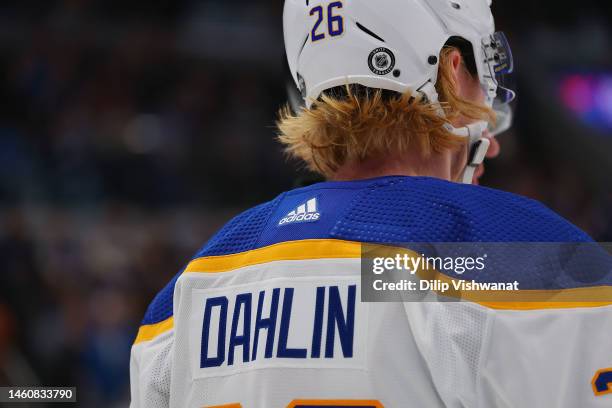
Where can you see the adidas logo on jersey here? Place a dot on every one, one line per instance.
(306, 212)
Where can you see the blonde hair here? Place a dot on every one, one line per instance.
(361, 125)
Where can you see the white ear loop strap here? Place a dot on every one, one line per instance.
(478, 147)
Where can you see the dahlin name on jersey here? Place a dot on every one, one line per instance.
(298, 322)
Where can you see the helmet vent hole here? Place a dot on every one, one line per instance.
(397, 73)
(456, 6)
(368, 32)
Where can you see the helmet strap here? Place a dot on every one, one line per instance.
(477, 145)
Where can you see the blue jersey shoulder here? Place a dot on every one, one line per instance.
(403, 209)
(160, 308)
(238, 235)
(383, 210)
(394, 210)
(242, 232)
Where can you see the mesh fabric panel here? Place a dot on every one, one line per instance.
(393, 210)
(160, 308)
(241, 233)
(403, 209)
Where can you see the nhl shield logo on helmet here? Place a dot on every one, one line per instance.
(381, 61)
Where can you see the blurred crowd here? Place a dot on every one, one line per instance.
(116, 122)
(74, 288)
(129, 132)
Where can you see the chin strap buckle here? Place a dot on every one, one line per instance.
(478, 148)
(476, 157)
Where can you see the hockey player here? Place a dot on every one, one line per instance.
(402, 100)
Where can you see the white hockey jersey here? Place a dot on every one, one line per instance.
(269, 314)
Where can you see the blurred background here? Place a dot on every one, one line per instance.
(131, 130)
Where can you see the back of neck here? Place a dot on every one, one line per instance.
(436, 165)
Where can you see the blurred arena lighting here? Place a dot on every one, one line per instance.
(143, 134)
(564, 110)
(589, 97)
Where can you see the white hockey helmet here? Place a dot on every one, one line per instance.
(395, 45)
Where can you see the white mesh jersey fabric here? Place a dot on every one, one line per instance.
(404, 355)
(451, 336)
(546, 358)
(387, 365)
(150, 369)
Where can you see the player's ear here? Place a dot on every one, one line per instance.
(464, 84)
(456, 63)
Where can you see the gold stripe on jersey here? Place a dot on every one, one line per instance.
(310, 249)
(285, 251)
(150, 331)
(335, 403)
